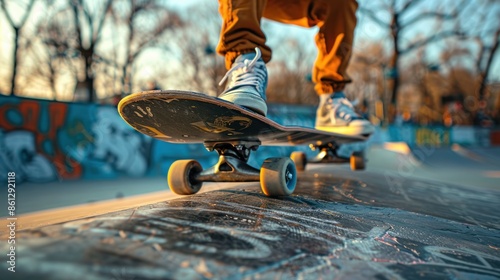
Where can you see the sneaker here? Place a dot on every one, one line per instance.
(247, 82)
(336, 114)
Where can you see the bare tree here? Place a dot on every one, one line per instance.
(48, 57)
(486, 34)
(399, 17)
(79, 26)
(145, 22)
(367, 72)
(481, 24)
(489, 53)
(26, 7)
(98, 42)
(90, 17)
(290, 78)
(202, 69)
(45, 74)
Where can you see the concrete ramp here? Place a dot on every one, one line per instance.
(457, 164)
(391, 156)
(481, 155)
(338, 224)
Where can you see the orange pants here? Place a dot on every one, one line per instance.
(336, 19)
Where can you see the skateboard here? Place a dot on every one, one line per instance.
(233, 132)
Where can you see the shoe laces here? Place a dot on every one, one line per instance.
(341, 107)
(246, 74)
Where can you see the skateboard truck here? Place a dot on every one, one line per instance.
(328, 154)
(277, 176)
(232, 165)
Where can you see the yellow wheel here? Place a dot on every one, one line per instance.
(357, 161)
(278, 177)
(300, 160)
(180, 177)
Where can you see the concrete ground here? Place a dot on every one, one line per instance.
(478, 167)
(402, 218)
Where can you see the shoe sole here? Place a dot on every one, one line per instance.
(255, 104)
(359, 130)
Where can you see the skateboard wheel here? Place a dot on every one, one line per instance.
(357, 161)
(278, 177)
(180, 177)
(300, 160)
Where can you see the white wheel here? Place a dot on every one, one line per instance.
(278, 177)
(357, 161)
(300, 160)
(180, 177)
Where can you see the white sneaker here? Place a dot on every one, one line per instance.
(247, 82)
(336, 114)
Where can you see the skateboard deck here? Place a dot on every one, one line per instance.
(188, 117)
(231, 130)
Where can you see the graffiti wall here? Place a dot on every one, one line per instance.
(420, 136)
(439, 136)
(44, 141)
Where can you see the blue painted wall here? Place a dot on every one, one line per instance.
(44, 141)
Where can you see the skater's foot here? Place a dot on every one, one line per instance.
(247, 82)
(336, 114)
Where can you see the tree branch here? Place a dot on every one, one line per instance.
(74, 6)
(98, 34)
(426, 15)
(373, 17)
(494, 48)
(28, 11)
(408, 4)
(431, 39)
(24, 18)
(480, 55)
(11, 22)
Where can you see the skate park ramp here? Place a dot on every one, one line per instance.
(337, 224)
(457, 164)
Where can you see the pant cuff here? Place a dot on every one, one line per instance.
(328, 88)
(230, 57)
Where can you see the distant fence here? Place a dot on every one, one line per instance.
(45, 141)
